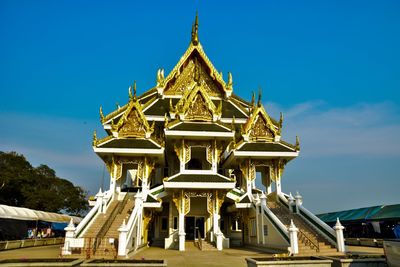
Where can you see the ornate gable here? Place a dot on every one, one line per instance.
(194, 66)
(196, 105)
(259, 126)
(133, 123)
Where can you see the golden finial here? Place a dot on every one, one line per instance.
(152, 126)
(259, 97)
(281, 120)
(130, 92)
(101, 114)
(94, 138)
(117, 105)
(253, 99)
(160, 78)
(230, 80)
(297, 143)
(221, 74)
(195, 29)
(134, 89)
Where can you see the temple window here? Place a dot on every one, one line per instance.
(198, 159)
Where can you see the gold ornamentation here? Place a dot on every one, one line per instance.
(260, 125)
(261, 131)
(187, 151)
(199, 110)
(160, 78)
(94, 138)
(133, 123)
(230, 81)
(210, 208)
(101, 114)
(195, 29)
(186, 201)
(297, 143)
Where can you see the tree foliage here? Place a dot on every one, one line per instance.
(38, 188)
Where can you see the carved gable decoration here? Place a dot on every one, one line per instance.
(260, 130)
(133, 123)
(259, 126)
(199, 110)
(195, 67)
(194, 72)
(197, 105)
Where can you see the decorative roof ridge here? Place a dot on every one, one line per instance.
(97, 142)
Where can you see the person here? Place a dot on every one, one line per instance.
(396, 230)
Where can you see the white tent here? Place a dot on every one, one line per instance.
(17, 213)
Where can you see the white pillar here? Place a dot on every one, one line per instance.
(299, 201)
(99, 199)
(181, 231)
(294, 246)
(263, 203)
(69, 235)
(278, 185)
(291, 203)
(122, 240)
(219, 240)
(339, 236)
(257, 203)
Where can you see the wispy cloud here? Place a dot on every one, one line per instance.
(361, 129)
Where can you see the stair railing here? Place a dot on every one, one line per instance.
(276, 222)
(107, 224)
(316, 223)
(308, 241)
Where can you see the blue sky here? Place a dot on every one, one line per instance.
(332, 68)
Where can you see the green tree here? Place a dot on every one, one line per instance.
(37, 188)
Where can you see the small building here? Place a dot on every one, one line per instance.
(183, 158)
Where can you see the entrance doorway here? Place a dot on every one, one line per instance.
(191, 225)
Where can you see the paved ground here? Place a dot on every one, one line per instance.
(191, 257)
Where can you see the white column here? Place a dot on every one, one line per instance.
(278, 185)
(291, 203)
(181, 231)
(257, 203)
(294, 246)
(263, 204)
(99, 199)
(339, 236)
(69, 235)
(298, 200)
(219, 240)
(122, 240)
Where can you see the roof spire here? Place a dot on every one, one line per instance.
(195, 28)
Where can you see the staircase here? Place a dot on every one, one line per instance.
(309, 240)
(100, 245)
(205, 245)
(99, 221)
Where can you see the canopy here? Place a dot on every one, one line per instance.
(17, 213)
(375, 213)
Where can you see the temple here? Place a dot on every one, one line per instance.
(183, 159)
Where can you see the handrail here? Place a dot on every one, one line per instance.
(309, 241)
(200, 240)
(82, 225)
(133, 219)
(107, 224)
(319, 224)
(309, 217)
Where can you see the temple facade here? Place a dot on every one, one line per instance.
(183, 160)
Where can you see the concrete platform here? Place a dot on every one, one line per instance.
(191, 257)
